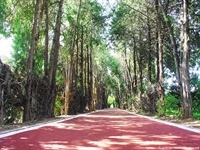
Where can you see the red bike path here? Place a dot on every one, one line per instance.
(109, 129)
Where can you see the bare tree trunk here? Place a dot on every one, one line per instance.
(185, 56)
(1, 106)
(53, 62)
(88, 77)
(134, 69)
(82, 98)
(46, 38)
(140, 72)
(128, 72)
(160, 75)
(149, 65)
(174, 45)
(69, 88)
(5, 72)
(27, 106)
(91, 80)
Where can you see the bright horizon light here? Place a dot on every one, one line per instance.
(5, 48)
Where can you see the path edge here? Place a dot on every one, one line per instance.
(192, 129)
(36, 126)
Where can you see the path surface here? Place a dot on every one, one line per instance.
(110, 129)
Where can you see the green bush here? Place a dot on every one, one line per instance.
(57, 108)
(111, 101)
(160, 108)
(172, 105)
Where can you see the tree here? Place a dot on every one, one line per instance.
(185, 57)
(54, 61)
(29, 80)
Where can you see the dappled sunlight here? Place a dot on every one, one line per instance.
(87, 148)
(106, 143)
(105, 130)
(64, 126)
(151, 143)
(23, 138)
(54, 146)
(113, 117)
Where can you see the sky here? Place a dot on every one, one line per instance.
(5, 48)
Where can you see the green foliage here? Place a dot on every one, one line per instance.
(172, 106)
(58, 106)
(3, 13)
(160, 108)
(111, 101)
(196, 101)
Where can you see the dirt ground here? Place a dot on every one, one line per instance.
(186, 122)
(13, 127)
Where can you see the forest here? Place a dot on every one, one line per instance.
(75, 56)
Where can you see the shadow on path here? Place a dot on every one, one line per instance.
(110, 129)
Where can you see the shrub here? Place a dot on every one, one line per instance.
(172, 105)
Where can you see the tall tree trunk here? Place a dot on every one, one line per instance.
(134, 68)
(174, 45)
(53, 62)
(149, 65)
(46, 46)
(88, 77)
(82, 97)
(69, 87)
(5, 73)
(27, 106)
(91, 80)
(128, 73)
(140, 72)
(185, 56)
(160, 75)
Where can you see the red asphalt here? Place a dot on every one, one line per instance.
(110, 129)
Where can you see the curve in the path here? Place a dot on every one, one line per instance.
(110, 129)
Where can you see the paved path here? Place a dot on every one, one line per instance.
(110, 129)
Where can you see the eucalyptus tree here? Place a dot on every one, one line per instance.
(134, 28)
(29, 34)
(86, 25)
(181, 21)
(185, 57)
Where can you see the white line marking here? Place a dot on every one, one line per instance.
(37, 126)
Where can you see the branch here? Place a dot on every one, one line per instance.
(124, 4)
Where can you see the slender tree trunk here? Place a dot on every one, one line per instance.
(128, 73)
(46, 46)
(134, 68)
(27, 106)
(53, 61)
(149, 65)
(88, 77)
(174, 45)
(91, 80)
(140, 72)
(185, 56)
(160, 75)
(1, 106)
(3, 88)
(82, 97)
(70, 90)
